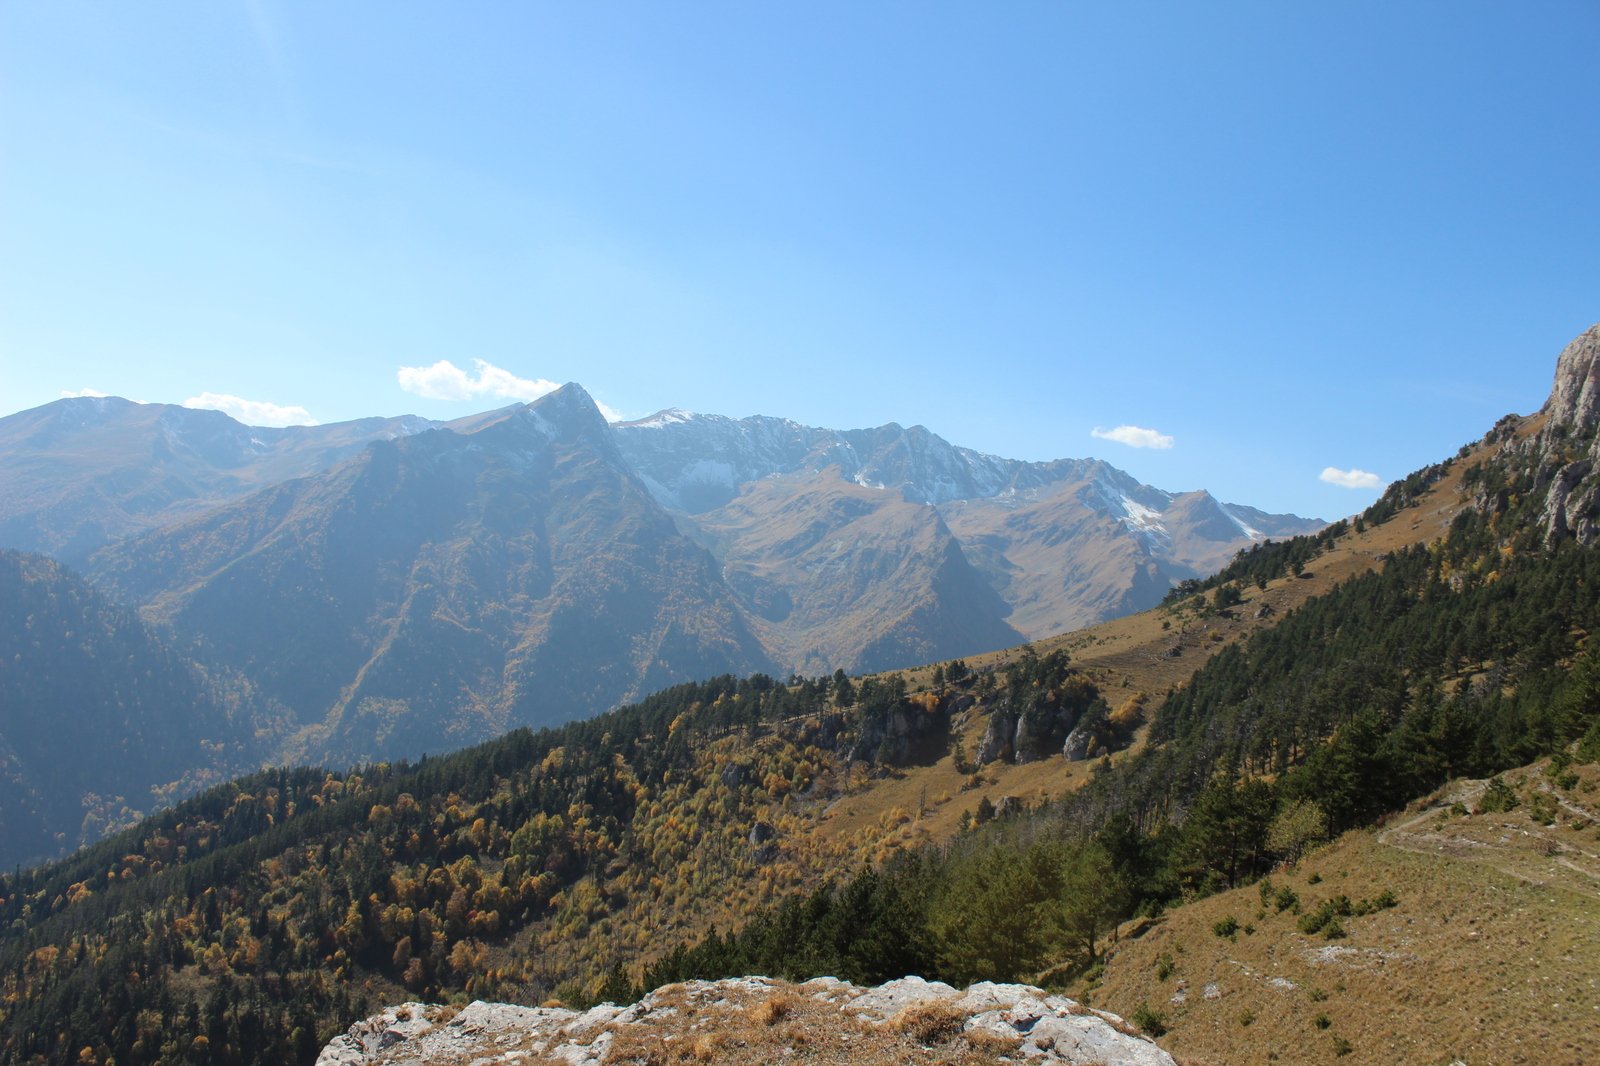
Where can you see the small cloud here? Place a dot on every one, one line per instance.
(67, 394)
(1134, 437)
(446, 381)
(252, 412)
(1351, 479)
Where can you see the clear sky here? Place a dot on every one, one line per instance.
(1276, 237)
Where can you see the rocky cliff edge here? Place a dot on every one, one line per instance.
(758, 1020)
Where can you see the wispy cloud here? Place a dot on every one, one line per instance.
(1351, 479)
(252, 412)
(446, 381)
(67, 394)
(1134, 437)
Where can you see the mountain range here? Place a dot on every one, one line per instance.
(392, 586)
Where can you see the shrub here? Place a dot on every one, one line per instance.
(1285, 899)
(1341, 1046)
(1150, 1022)
(1328, 911)
(1322, 1021)
(1226, 927)
(1165, 966)
(1497, 797)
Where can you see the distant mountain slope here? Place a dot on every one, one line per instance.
(443, 587)
(694, 462)
(95, 714)
(841, 576)
(1064, 544)
(80, 473)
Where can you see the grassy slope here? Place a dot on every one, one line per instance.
(1491, 955)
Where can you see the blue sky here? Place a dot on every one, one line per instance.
(1279, 237)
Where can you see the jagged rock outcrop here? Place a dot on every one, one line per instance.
(754, 1019)
(1079, 743)
(893, 736)
(1575, 396)
(1568, 447)
(1555, 468)
(999, 739)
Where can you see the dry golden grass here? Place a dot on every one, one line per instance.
(760, 1027)
(1492, 954)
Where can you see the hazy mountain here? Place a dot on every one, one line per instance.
(96, 714)
(694, 462)
(1062, 544)
(841, 576)
(443, 587)
(80, 473)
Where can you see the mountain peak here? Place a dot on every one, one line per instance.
(667, 417)
(1575, 397)
(567, 414)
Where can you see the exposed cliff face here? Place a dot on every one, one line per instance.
(752, 1020)
(1555, 468)
(1575, 397)
(1568, 446)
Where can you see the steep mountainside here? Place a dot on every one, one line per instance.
(97, 718)
(444, 587)
(1064, 544)
(80, 473)
(842, 576)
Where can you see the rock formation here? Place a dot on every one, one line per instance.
(758, 1020)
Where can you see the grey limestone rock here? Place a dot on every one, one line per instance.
(1048, 1029)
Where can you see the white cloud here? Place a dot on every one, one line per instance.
(1351, 479)
(1134, 437)
(67, 394)
(446, 381)
(252, 412)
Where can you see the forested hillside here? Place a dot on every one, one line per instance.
(100, 722)
(265, 914)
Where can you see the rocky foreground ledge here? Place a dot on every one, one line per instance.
(757, 1020)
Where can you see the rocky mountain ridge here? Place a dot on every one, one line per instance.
(758, 1020)
(1064, 543)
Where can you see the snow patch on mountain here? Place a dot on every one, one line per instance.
(1244, 527)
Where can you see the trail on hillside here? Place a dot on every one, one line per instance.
(1558, 855)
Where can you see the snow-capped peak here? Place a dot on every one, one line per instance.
(662, 419)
